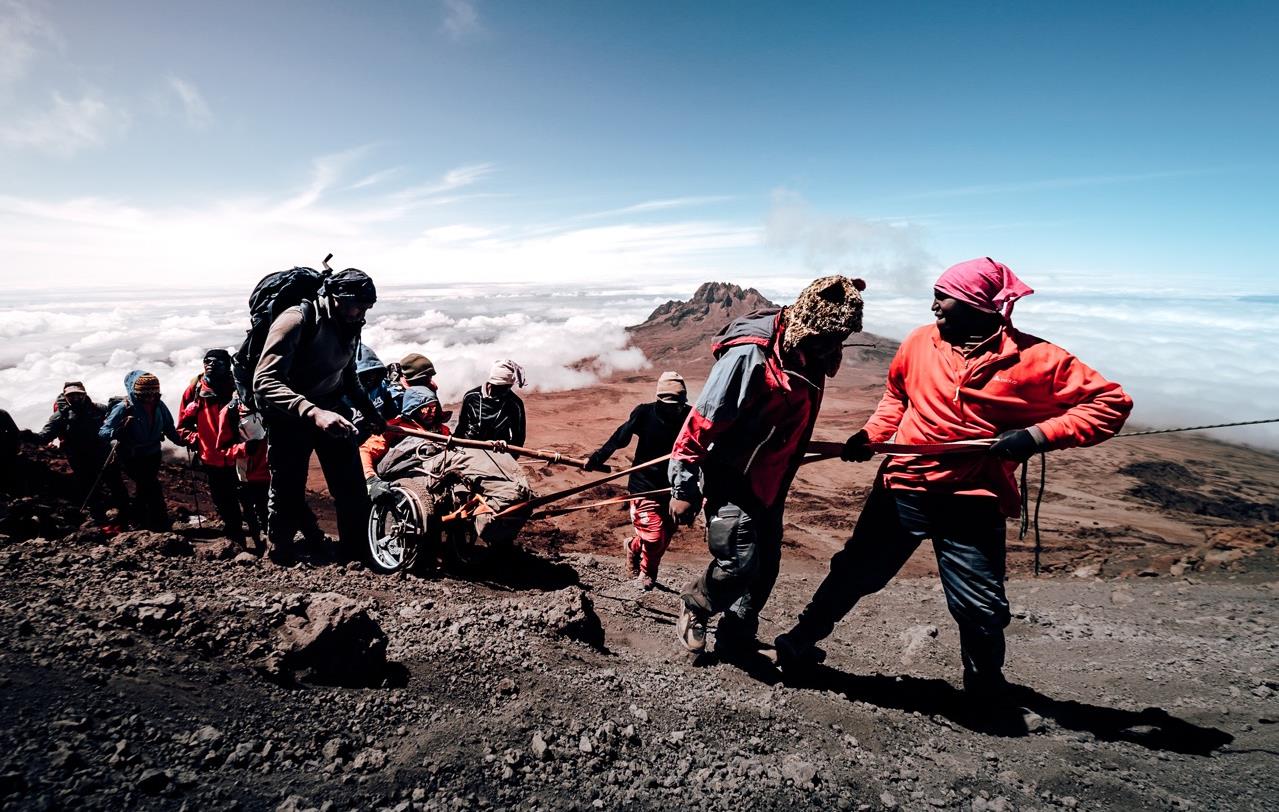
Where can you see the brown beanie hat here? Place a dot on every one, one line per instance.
(416, 367)
(671, 386)
(829, 306)
(146, 383)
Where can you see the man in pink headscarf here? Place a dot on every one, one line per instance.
(968, 375)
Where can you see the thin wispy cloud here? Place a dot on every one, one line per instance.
(24, 32)
(1054, 183)
(451, 180)
(67, 126)
(375, 178)
(461, 18)
(651, 206)
(194, 107)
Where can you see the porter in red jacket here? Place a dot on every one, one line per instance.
(969, 375)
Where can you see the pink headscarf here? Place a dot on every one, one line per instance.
(985, 284)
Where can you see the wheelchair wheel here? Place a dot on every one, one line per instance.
(397, 529)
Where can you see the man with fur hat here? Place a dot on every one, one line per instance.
(492, 411)
(745, 438)
(656, 425)
(206, 422)
(136, 426)
(969, 375)
(306, 369)
(75, 423)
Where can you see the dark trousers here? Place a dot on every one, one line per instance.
(87, 469)
(224, 490)
(253, 503)
(968, 539)
(290, 443)
(148, 510)
(745, 540)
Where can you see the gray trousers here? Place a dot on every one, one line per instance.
(745, 541)
(968, 539)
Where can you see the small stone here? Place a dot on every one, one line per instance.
(246, 560)
(639, 713)
(798, 770)
(887, 799)
(584, 744)
(541, 750)
(507, 687)
(207, 735)
(153, 781)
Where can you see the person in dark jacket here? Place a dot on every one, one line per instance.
(207, 424)
(306, 369)
(746, 437)
(137, 425)
(493, 411)
(8, 447)
(656, 425)
(75, 423)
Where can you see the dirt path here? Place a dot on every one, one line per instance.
(1149, 694)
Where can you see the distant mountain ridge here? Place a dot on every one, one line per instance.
(679, 333)
(718, 302)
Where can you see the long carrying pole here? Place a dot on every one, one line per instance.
(492, 445)
(818, 450)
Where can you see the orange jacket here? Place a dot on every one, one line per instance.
(937, 393)
(205, 423)
(375, 447)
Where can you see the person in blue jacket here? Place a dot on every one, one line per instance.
(136, 426)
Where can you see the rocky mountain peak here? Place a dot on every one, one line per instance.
(719, 302)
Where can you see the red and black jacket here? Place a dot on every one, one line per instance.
(753, 419)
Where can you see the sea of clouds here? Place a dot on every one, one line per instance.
(1186, 358)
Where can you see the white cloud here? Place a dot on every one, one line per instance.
(395, 233)
(67, 126)
(461, 18)
(194, 107)
(889, 254)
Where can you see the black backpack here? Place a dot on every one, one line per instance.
(273, 295)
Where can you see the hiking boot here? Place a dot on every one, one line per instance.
(632, 557)
(795, 656)
(646, 582)
(691, 628)
(735, 636)
(281, 556)
(988, 689)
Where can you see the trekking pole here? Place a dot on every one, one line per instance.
(111, 455)
(325, 263)
(195, 494)
(101, 473)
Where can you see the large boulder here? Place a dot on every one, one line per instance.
(328, 639)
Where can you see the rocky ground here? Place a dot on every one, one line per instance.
(151, 672)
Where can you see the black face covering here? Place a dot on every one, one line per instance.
(669, 408)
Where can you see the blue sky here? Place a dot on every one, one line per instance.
(1088, 145)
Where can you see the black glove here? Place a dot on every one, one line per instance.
(594, 463)
(379, 490)
(1017, 445)
(857, 448)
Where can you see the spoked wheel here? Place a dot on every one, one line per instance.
(396, 529)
